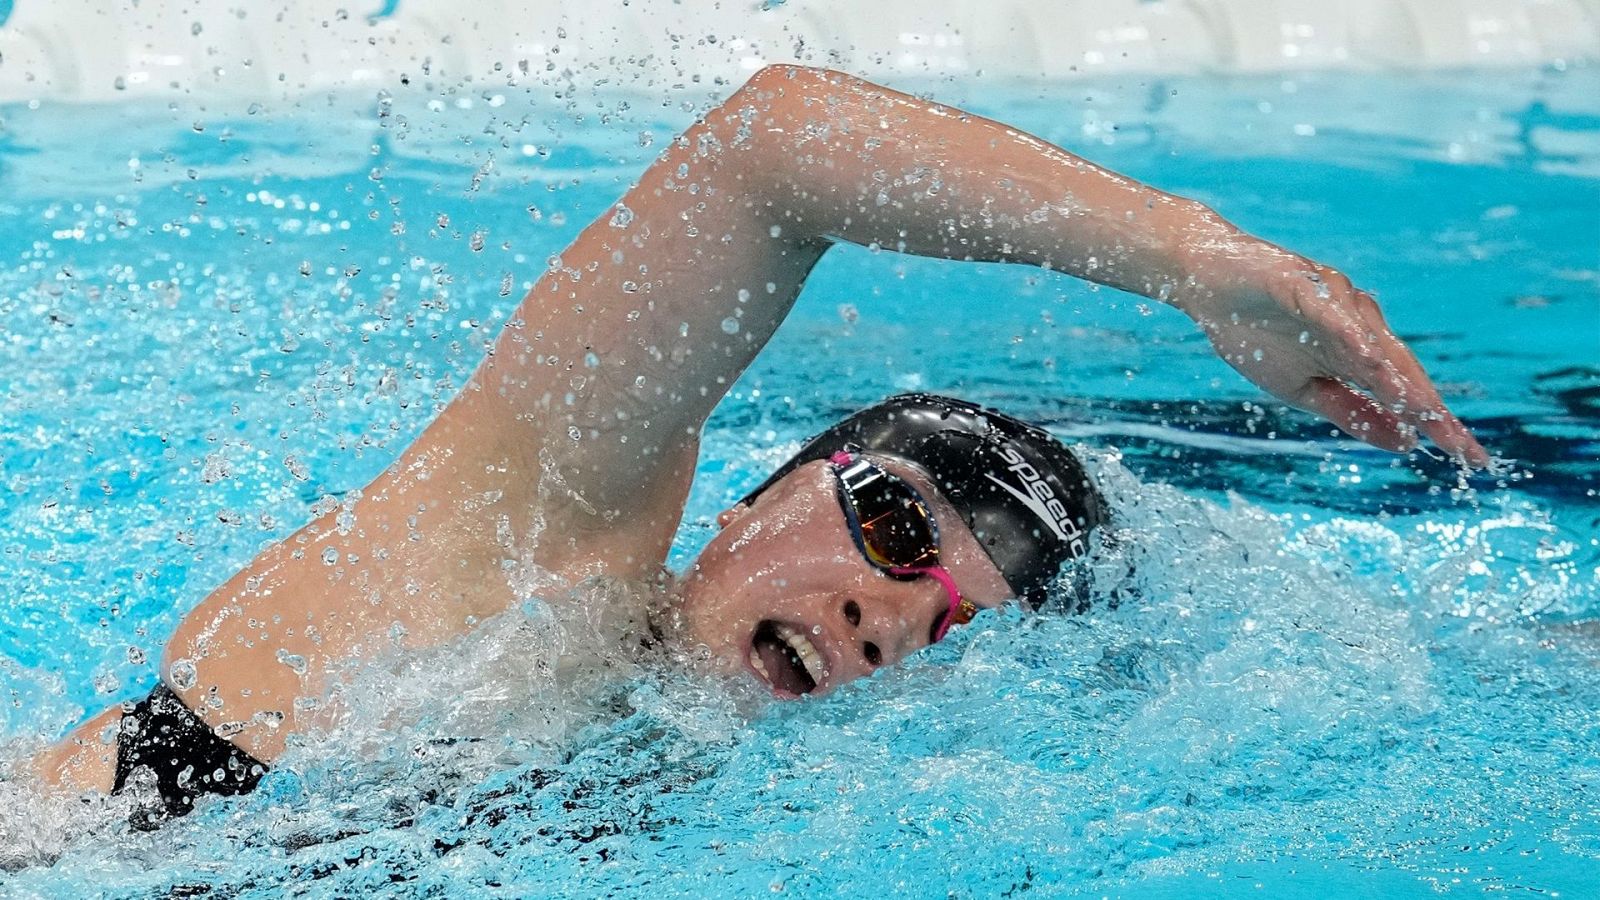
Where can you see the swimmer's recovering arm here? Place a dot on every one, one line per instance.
(623, 348)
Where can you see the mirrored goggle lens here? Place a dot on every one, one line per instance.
(896, 528)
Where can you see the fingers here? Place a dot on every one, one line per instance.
(1379, 362)
(1408, 390)
(1357, 414)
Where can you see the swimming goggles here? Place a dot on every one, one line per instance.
(895, 531)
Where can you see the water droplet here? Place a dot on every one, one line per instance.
(630, 287)
(574, 433)
(591, 360)
(505, 285)
(195, 28)
(775, 231)
(622, 218)
(120, 83)
(352, 271)
(182, 674)
(476, 242)
(136, 655)
(216, 468)
(293, 660)
(730, 325)
(1257, 355)
(305, 267)
(330, 556)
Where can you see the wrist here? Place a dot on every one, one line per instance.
(1214, 261)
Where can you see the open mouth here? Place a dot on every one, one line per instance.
(786, 658)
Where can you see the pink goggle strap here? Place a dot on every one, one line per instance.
(941, 575)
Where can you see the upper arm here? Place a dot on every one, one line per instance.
(602, 380)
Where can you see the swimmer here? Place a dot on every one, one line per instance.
(572, 448)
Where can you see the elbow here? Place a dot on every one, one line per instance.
(784, 90)
(787, 77)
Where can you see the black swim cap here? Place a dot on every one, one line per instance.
(1022, 493)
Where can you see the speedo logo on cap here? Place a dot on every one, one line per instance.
(1040, 499)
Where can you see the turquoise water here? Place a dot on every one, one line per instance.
(1317, 670)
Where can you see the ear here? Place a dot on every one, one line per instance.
(732, 514)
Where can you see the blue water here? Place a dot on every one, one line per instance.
(1316, 670)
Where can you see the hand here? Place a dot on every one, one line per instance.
(1303, 332)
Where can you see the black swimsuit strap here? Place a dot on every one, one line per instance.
(188, 758)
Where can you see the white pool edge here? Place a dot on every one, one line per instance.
(97, 50)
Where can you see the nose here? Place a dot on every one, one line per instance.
(869, 650)
(886, 627)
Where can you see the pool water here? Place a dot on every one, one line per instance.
(1314, 670)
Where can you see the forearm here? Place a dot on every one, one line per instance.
(660, 304)
(848, 159)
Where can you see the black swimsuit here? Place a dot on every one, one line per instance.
(186, 756)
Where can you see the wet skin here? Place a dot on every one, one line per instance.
(790, 558)
(549, 462)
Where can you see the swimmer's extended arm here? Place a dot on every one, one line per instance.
(624, 347)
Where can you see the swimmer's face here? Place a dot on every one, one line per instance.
(783, 595)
